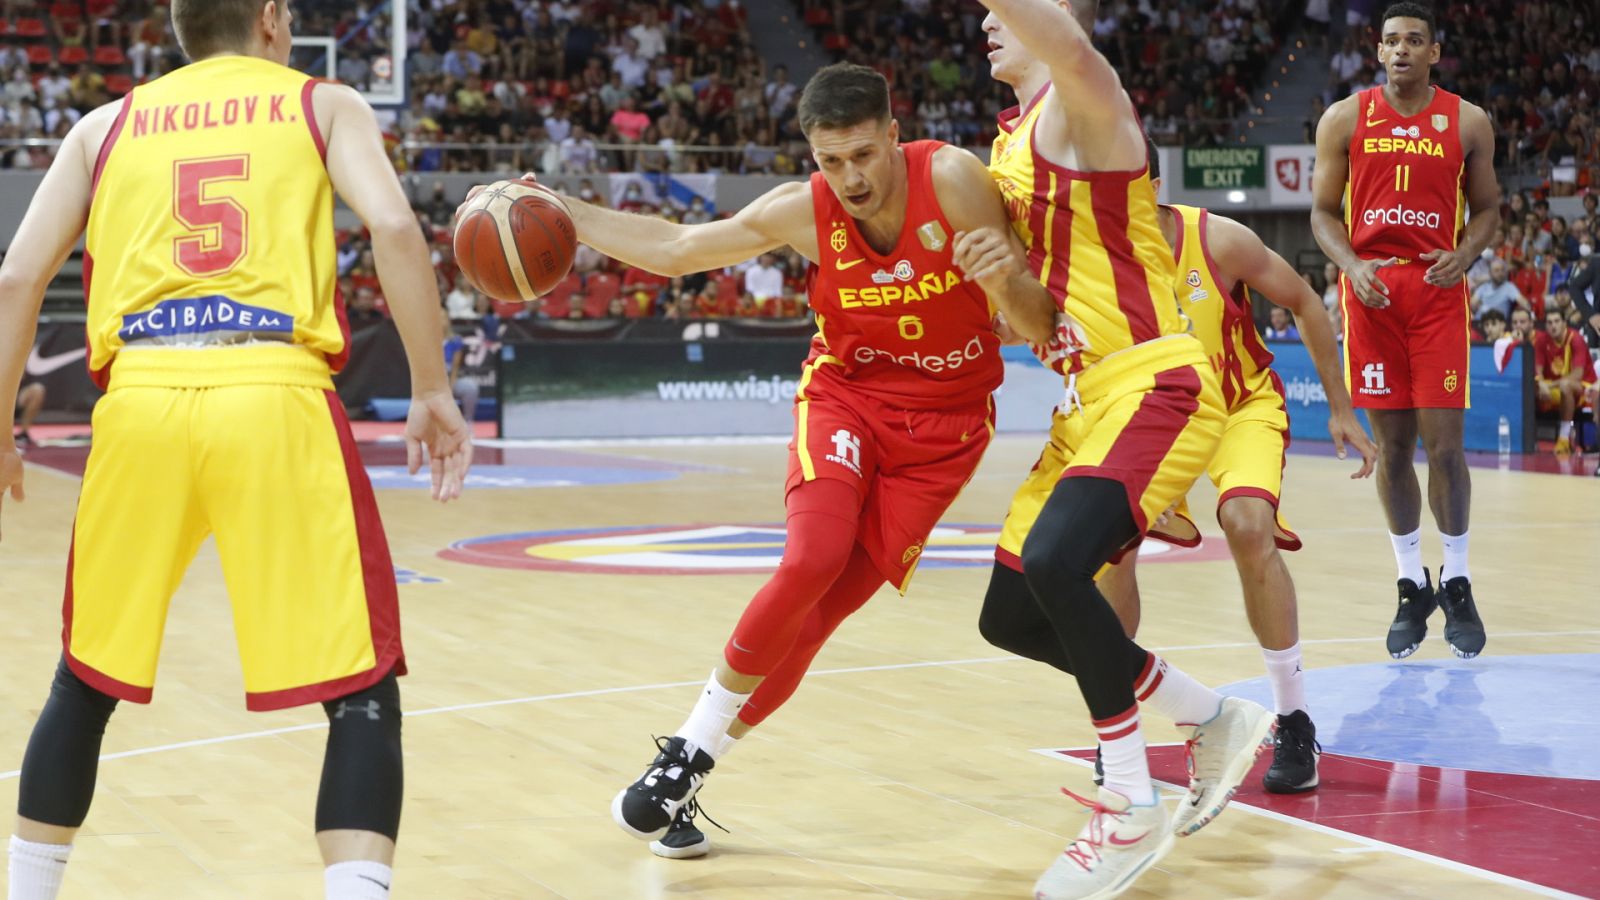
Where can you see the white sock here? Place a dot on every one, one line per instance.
(360, 880)
(1408, 555)
(1123, 758)
(1455, 557)
(1171, 692)
(1288, 686)
(36, 869)
(727, 743)
(1566, 435)
(708, 723)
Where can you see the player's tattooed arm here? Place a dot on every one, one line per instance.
(1243, 257)
(1483, 201)
(986, 249)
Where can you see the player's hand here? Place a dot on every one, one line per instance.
(1447, 269)
(10, 473)
(986, 257)
(435, 426)
(1003, 330)
(1344, 428)
(1166, 516)
(1369, 288)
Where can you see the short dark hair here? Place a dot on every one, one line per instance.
(208, 27)
(1492, 315)
(1085, 12)
(1154, 156)
(1408, 10)
(844, 95)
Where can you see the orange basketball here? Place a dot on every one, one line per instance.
(515, 241)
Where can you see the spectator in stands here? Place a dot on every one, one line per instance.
(763, 282)
(462, 302)
(578, 153)
(1492, 326)
(89, 88)
(780, 93)
(1565, 373)
(1498, 293)
(710, 304)
(617, 308)
(576, 301)
(55, 86)
(1330, 285)
(1280, 327)
(461, 62)
(363, 311)
(463, 386)
(1522, 327)
(696, 214)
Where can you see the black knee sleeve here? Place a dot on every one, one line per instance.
(63, 756)
(1012, 620)
(1082, 526)
(362, 773)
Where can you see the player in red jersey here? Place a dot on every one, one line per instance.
(1399, 159)
(913, 254)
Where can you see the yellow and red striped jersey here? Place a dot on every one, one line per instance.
(211, 218)
(1221, 318)
(1094, 240)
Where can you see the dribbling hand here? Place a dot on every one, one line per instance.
(1369, 288)
(435, 425)
(11, 474)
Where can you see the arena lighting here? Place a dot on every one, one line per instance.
(1236, 196)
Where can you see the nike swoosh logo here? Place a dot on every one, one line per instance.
(40, 366)
(373, 880)
(964, 436)
(739, 648)
(1115, 842)
(1373, 122)
(841, 265)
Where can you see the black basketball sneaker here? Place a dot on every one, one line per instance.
(684, 839)
(1462, 627)
(1294, 756)
(646, 808)
(1410, 623)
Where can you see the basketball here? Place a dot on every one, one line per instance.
(515, 241)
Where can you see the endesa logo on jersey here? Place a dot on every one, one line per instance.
(925, 288)
(927, 362)
(1400, 215)
(202, 315)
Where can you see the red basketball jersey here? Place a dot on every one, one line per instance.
(1405, 195)
(903, 326)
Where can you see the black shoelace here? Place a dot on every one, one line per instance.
(1296, 739)
(692, 811)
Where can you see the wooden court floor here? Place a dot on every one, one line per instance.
(903, 768)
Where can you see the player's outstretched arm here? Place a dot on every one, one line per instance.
(781, 216)
(363, 176)
(1094, 116)
(1329, 178)
(1483, 201)
(1243, 256)
(986, 247)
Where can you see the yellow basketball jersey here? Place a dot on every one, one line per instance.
(1221, 318)
(1094, 240)
(211, 219)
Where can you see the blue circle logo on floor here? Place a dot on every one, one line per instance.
(502, 477)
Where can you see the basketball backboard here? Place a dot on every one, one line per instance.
(360, 44)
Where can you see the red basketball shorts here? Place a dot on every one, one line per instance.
(908, 466)
(1411, 354)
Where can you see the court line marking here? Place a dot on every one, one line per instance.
(1368, 844)
(641, 688)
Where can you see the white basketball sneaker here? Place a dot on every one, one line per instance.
(1220, 753)
(1117, 845)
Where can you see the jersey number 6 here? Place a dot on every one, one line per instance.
(218, 226)
(911, 328)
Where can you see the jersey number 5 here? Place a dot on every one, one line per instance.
(218, 226)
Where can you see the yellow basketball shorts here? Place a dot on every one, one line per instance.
(1151, 418)
(250, 445)
(1249, 462)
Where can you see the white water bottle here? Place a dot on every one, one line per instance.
(1505, 436)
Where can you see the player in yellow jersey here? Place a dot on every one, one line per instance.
(214, 324)
(1217, 259)
(1140, 420)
